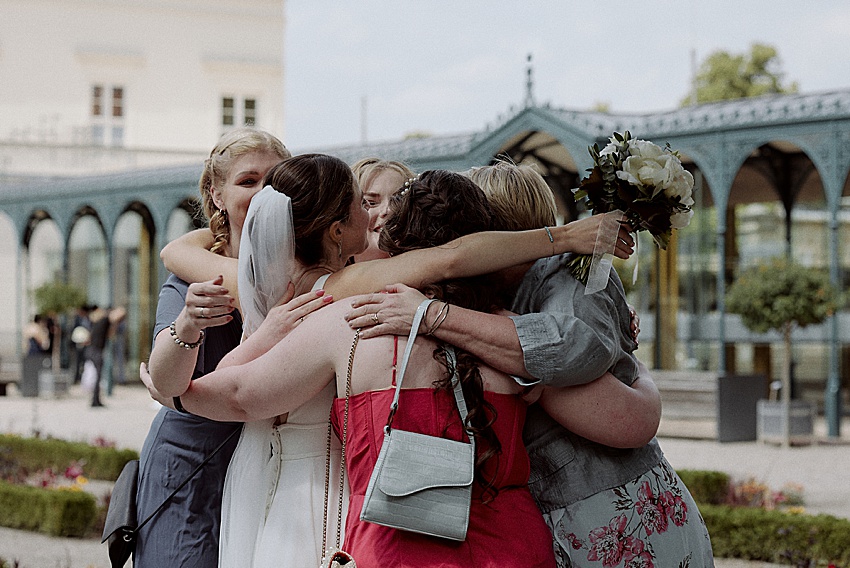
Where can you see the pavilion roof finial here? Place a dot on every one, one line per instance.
(529, 84)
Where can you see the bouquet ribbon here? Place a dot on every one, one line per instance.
(603, 252)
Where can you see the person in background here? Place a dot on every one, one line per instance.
(118, 345)
(99, 318)
(37, 336)
(379, 180)
(80, 336)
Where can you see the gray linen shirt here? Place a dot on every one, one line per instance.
(568, 339)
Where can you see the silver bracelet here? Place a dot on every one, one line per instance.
(180, 342)
(551, 238)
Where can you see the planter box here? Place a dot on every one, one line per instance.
(771, 421)
(737, 397)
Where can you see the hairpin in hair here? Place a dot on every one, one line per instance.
(406, 187)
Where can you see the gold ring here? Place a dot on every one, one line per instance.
(375, 318)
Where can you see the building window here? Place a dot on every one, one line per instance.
(117, 102)
(97, 100)
(250, 112)
(236, 112)
(106, 120)
(227, 111)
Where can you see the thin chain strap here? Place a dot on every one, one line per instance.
(342, 457)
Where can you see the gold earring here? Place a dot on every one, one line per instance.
(339, 246)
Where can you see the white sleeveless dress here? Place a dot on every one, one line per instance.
(275, 489)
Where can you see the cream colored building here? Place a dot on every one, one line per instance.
(91, 86)
(101, 86)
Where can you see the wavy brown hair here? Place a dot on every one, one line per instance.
(231, 146)
(321, 188)
(438, 207)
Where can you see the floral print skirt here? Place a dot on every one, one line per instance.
(650, 522)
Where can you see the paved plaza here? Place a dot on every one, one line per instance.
(821, 468)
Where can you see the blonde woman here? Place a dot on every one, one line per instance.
(202, 317)
(379, 180)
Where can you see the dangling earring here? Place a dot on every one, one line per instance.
(339, 247)
(223, 213)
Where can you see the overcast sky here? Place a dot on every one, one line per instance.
(452, 66)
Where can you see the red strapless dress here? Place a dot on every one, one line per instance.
(506, 531)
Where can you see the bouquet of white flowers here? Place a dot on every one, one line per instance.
(645, 182)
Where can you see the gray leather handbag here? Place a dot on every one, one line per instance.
(421, 483)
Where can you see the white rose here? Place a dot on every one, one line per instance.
(647, 166)
(681, 182)
(645, 149)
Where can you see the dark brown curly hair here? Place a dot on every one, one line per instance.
(438, 207)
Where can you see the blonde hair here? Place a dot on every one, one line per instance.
(367, 169)
(518, 195)
(232, 145)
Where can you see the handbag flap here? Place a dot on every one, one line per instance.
(414, 462)
(122, 503)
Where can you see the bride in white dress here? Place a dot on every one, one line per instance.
(274, 492)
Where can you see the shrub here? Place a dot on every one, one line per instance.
(36, 454)
(55, 512)
(776, 536)
(706, 486)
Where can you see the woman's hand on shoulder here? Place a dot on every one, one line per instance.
(389, 312)
(291, 311)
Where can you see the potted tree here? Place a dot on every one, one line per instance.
(57, 299)
(781, 295)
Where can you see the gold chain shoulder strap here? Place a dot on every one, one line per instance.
(342, 457)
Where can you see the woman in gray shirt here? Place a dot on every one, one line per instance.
(608, 500)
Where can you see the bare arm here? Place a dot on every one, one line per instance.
(492, 338)
(283, 378)
(189, 258)
(280, 320)
(471, 255)
(608, 411)
(171, 365)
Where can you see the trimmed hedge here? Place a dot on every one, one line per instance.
(711, 487)
(776, 536)
(56, 512)
(769, 536)
(37, 454)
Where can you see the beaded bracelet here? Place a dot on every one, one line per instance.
(180, 342)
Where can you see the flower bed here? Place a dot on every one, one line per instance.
(33, 454)
(42, 484)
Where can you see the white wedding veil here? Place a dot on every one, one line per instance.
(266, 256)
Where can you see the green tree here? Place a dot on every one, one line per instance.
(726, 76)
(780, 295)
